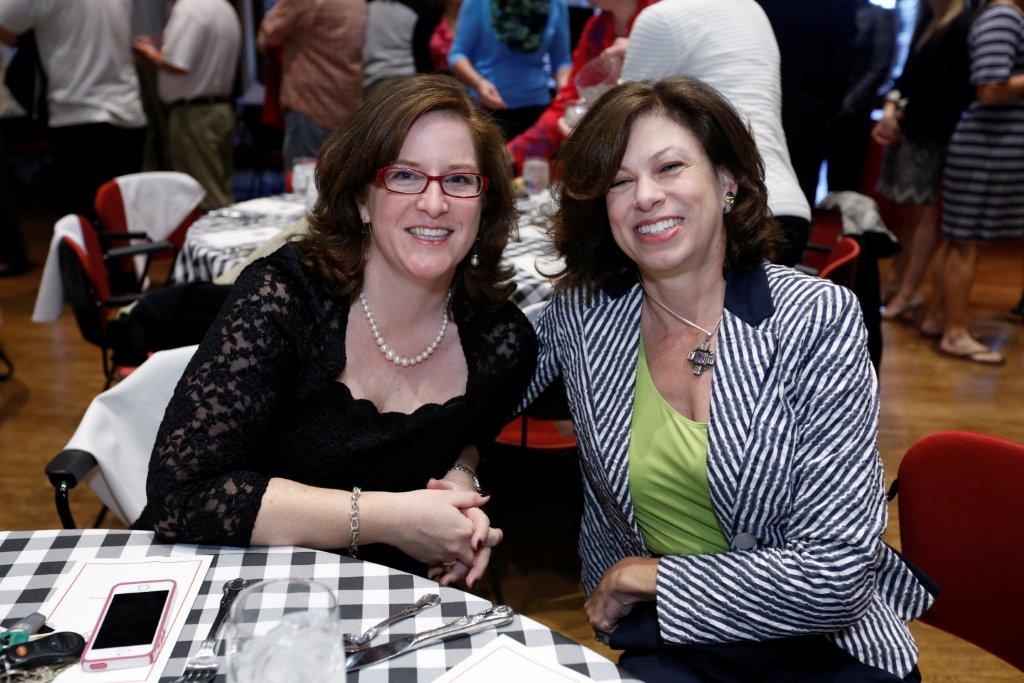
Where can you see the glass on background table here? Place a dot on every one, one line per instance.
(32, 562)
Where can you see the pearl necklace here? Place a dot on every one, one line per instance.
(388, 352)
(701, 357)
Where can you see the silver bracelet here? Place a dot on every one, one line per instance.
(353, 523)
(472, 475)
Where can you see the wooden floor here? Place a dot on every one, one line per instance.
(922, 392)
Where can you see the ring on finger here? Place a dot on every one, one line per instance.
(448, 566)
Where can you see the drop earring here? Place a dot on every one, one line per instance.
(474, 260)
(730, 201)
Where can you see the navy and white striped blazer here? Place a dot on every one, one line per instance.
(792, 462)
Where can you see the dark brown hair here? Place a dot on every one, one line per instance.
(592, 154)
(336, 244)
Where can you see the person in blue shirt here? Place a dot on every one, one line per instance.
(507, 50)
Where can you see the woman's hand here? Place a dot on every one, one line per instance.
(616, 52)
(489, 95)
(483, 539)
(428, 525)
(627, 582)
(887, 131)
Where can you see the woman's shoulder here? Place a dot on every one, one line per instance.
(797, 295)
(281, 275)
(498, 325)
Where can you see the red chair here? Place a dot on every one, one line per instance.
(841, 264)
(85, 281)
(961, 522)
(117, 230)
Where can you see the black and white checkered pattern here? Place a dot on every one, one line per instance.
(531, 255)
(31, 563)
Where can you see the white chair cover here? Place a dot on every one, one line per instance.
(50, 298)
(120, 426)
(157, 202)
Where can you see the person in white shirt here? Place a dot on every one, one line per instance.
(728, 44)
(97, 125)
(197, 65)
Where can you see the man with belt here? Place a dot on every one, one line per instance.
(197, 66)
(97, 126)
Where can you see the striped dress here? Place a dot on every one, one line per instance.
(985, 167)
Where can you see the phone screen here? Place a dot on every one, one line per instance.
(132, 619)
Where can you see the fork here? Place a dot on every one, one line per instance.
(202, 666)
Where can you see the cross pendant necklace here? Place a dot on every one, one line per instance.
(701, 357)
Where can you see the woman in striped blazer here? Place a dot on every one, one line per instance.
(726, 412)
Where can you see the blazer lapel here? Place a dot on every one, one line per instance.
(746, 354)
(611, 345)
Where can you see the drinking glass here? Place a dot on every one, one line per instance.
(574, 111)
(536, 175)
(596, 77)
(284, 631)
(302, 174)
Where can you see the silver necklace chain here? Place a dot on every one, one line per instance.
(701, 358)
(389, 353)
(685, 320)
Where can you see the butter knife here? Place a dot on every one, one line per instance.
(499, 615)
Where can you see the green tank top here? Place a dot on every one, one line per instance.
(668, 474)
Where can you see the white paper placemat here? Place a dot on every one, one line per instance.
(505, 659)
(79, 599)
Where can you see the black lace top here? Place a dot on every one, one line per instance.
(260, 399)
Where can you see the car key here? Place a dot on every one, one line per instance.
(55, 648)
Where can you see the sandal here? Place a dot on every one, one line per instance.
(981, 355)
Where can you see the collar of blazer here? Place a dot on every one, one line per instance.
(746, 294)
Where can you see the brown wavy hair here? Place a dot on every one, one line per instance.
(591, 157)
(335, 246)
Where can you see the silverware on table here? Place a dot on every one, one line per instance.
(499, 615)
(202, 666)
(353, 643)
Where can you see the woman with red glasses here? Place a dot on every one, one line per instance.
(338, 400)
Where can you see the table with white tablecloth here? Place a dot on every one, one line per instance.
(32, 562)
(223, 238)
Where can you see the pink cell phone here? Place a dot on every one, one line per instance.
(131, 627)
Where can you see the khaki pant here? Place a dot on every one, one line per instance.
(201, 143)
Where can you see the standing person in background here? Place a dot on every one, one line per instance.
(442, 36)
(985, 170)
(849, 133)
(198, 61)
(816, 46)
(322, 67)
(97, 126)
(920, 114)
(545, 136)
(729, 45)
(500, 50)
(388, 49)
(13, 257)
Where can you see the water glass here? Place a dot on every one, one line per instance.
(574, 111)
(284, 631)
(302, 174)
(536, 175)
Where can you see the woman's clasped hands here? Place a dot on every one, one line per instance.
(445, 527)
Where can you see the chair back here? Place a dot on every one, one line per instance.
(119, 429)
(841, 265)
(961, 522)
(181, 197)
(85, 284)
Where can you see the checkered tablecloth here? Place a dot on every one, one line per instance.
(31, 563)
(223, 238)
